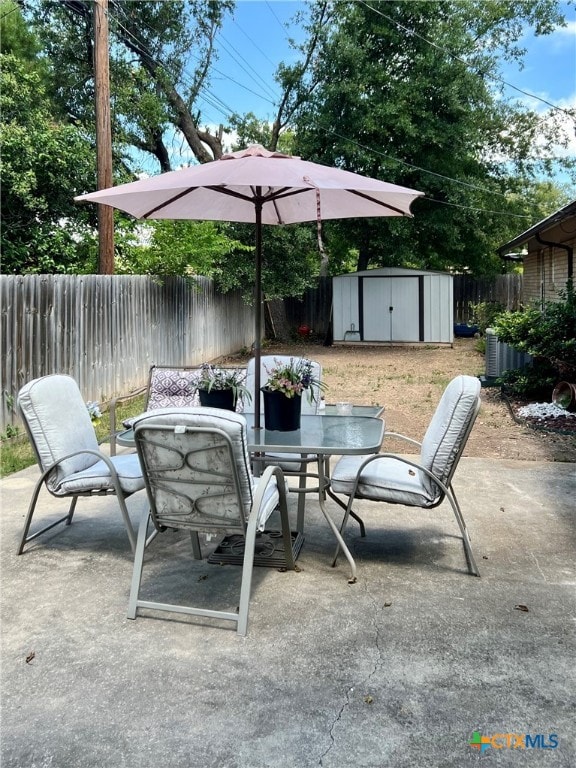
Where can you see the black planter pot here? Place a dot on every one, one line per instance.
(281, 413)
(218, 398)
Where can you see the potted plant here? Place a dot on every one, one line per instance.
(283, 393)
(221, 387)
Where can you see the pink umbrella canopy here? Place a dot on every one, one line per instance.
(255, 185)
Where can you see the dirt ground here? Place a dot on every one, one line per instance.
(409, 381)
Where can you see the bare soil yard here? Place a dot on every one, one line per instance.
(409, 381)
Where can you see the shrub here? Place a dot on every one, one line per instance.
(547, 334)
(535, 381)
(484, 313)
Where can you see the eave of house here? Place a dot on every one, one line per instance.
(541, 228)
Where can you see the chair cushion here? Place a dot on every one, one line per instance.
(270, 501)
(384, 479)
(97, 477)
(448, 429)
(233, 424)
(58, 423)
(172, 388)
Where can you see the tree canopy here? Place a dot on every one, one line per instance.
(44, 164)
(161, 55)
(409, 92)
(401, 93)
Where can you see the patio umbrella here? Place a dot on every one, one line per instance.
(255, 185)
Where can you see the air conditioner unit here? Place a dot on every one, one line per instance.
(501, 357)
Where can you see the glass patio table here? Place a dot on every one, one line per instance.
(320, 435)
(323, 436)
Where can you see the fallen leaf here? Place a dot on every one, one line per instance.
(30, 657)
(411, 472)
(368, 699)
(202, 578)
(521, 608)
(387, 604)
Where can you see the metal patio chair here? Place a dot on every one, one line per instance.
(66, 447)
(417, 482)
(291, 464)
(168, 387)
(198, 478)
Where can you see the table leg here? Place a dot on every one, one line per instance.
(324, 487)
(351, 513)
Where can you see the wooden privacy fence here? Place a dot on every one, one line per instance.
(502, 289)
(313, 309)
(106, 331)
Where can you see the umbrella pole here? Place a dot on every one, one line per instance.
(258, 315)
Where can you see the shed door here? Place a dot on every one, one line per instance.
(391, 309)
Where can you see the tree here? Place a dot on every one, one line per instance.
(160, 59)
(44, 164)
(401, 92)
(186, 248)
(15, 36)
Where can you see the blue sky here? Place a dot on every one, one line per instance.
(255, 41)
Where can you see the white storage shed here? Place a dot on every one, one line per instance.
(393, 305)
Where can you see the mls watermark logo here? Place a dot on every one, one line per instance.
(513, 741)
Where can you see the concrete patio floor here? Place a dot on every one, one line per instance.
(397, 670)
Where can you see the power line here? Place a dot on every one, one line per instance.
(415, 167)
(479, 210)
(215, 102)
(197, 58)
(496, 78)
(439, 175)
(207, 95)
(212, 100)
(15, 8)
(265, 55)
(235, 54)
(273, 12)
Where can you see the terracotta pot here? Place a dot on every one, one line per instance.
(564, 395)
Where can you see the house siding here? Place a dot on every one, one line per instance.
(546, 267)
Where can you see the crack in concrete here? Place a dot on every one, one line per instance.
(365, 682)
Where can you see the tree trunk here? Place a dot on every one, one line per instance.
(277, 325)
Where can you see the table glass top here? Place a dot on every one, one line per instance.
(330, 435)
(357, 410)
(323, 434)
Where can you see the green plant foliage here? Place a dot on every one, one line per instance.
(381, 100)
(178, 248)
(548, 335)
(161, 57)
(484, 314)
(44, 164)
(535, 381)
(290, 261)
(212, 378)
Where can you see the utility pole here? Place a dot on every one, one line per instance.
(103, 136)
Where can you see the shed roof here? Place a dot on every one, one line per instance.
(389, 271)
